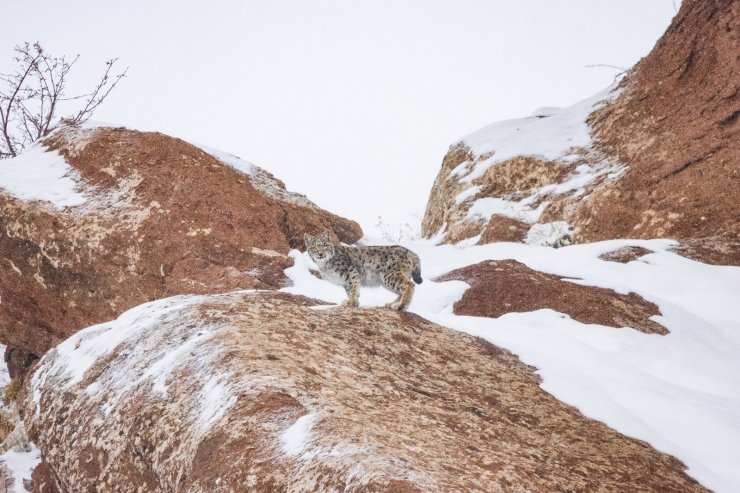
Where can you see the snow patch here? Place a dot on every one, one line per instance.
(234, 161)
(216, 399)
(295, 439)
(466, 194)
(78, 353)
(550, 134)
(20, 464)
(41, 174)
(522, 210)
(555, 234)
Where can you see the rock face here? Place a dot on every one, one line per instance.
(658, 156)
(500, 287)
(263, 392)
(152, 216)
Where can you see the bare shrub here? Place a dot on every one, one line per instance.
(33, 99)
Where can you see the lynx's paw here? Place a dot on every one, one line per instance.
(396, 305)
(350, 303)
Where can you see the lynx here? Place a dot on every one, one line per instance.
(392, 267)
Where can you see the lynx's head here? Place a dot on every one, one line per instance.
(319, 248)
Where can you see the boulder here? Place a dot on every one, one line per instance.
(504, 286)
(502, 228)
(264, 391)
(656, 156)
(95, 221)
(625, 254)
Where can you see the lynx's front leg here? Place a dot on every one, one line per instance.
(352, 287)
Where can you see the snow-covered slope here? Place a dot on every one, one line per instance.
(654, 157)
(517, 168)
(679, 392)
(268, 391)
(550, 134)
(41, 174)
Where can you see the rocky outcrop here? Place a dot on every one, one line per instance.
(150, 216)
(625, 254)
(505, 286)
(266, 392)
(502, 228)
(656, 157)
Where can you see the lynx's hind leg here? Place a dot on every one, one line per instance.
(400, 284)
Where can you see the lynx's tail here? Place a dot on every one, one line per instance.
(416, 272)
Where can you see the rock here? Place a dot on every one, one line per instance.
(43, 481)
(656, 157)
(261, 392)
(505, 286)
(502, 228)
(625, 254)
(153, 216)
(675, 127)
(716, 250)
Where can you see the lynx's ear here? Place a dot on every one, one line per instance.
(325, 235)
(307, 237)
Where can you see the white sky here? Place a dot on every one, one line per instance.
(353, 103)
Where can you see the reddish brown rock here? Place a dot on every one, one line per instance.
(43, 480)
(665, 152)
(676, 127)
(502, 228)
(261, 393)
(505, 286)
(162, 217)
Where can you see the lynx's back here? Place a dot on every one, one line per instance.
(375, 263)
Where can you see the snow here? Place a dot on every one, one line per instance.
(679, 392)
(549, 134)
(161, 369)
(295, 439)
(216, 399)
(466, 194)
(521, 210)
(554, 234)
(20, 465)
(4, 375)
(78, 353)
(234, 161)
(582, 176)
(41, 174)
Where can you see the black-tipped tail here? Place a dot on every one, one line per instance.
(416, 275)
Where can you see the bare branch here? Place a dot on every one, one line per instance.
(7, 116)
(31, 98)
(98, 95)
(621, 70)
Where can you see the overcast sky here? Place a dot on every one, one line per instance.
(353, 103)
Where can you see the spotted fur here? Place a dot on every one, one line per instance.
(392, 267)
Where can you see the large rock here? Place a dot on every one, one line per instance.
(656, 157)
(150, 216)
(505, 286)
(265, 392)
